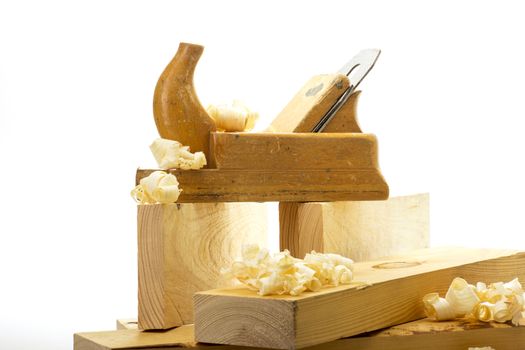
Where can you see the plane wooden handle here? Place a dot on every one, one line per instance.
(178, 112)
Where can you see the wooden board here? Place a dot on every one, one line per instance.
(294, 151)
(311, 103)
(396, 287)
(181, 249)
(277, 185)
(361, 230)
(418, 335)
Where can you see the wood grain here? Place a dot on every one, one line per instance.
(277, 185)
(181, 249)
(345, 119)
(393, 296)
(178, 112)
(310, 104)
(361, 230)
(134, 339)
(294, 150)
(418, 335)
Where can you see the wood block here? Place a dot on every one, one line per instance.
(311, 103)
(393, 296)
(277, 185)
(362, 230)
(418, 335)
(181, 249)
(294, 150)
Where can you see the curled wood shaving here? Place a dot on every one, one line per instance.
(158, 187)
(171, 154)
(233, 117)
(462, 297)
(438, 308)
(484, 311)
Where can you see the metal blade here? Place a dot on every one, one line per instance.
(356, 69)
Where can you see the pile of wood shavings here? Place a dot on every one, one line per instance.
(500, 302)
(281, 273)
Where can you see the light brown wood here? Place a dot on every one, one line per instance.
(294, 151)
(361, 230)
(310, 104)
(134, 339)
(393, 296)
(345, 120)
(285, 167)
(181, 249)
(178, 112)
(277, 185)
(418, 335)
(127, 323)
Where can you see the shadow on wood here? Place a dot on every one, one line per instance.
(361, 230)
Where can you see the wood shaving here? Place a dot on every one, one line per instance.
(158, 187)
(233, 117)
(171, 154)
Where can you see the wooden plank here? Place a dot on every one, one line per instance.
(418, 335)
(294, 150)
(181, 249)
(135, 339)
(396, 287)
(311, 103)
(363, 230)
(277, 185)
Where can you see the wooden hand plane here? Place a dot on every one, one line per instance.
(291, 162)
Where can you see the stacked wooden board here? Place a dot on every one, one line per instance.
(182, 247)
(387, 293)
(418, 335)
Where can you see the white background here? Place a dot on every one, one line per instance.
(76, 83)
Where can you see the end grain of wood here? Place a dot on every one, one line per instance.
(181, 249)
